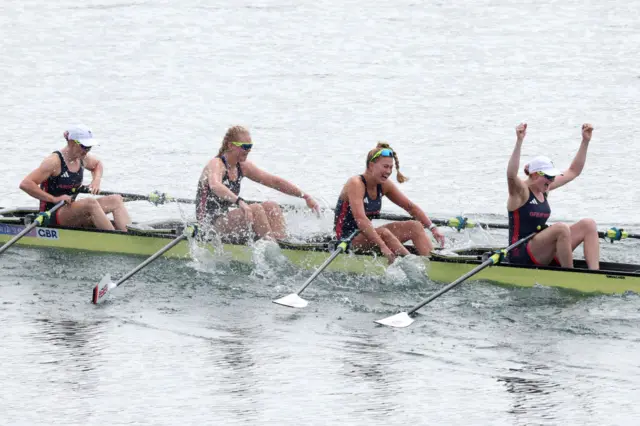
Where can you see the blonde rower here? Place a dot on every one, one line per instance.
(361, 200)
(218, 203)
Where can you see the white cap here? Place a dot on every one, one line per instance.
(543, 164)
(82, 134)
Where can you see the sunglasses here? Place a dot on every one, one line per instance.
(84, 147)
(546, 176)
(386, 152)
(243, 145)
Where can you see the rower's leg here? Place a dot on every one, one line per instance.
(414, 231)
(234, 224)
(83, 213)
(362, 242)
(555, 241)
(260, 222)
(115, 204)
(276, 219)
(392, 241)
(586, 231)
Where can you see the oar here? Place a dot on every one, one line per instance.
(294, 300)
(155, 197)
(457, 222)
(403, 319)
(615, 234)
(105, 285)
(37, 222)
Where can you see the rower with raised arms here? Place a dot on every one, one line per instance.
(361, 200)
(218, 204)
(61, 174)
(529, 208)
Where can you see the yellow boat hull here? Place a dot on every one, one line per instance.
(619, 278)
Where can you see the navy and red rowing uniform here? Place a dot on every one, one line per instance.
(524, 221)
(344, 223)
(209, 206)
(63, 184)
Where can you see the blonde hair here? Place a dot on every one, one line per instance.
(384, 145)
(233, 134)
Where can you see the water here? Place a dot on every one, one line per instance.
(318, 83)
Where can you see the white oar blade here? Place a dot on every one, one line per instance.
(400, 320)
(292, 301)
(101, 289)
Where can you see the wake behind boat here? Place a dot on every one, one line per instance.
(145, 239)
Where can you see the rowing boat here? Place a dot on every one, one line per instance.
(443, 266)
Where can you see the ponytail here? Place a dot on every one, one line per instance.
(384, 145)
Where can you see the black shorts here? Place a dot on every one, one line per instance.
(523, 256)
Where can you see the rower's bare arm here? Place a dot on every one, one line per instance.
(94, 165)
(256, 174)
(396, 196)
(355, 193)
(215, 171)
(577, 165)
(517, 188)
(50, 166)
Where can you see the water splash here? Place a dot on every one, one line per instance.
(268, 260)
(409, 270)
(209, 257)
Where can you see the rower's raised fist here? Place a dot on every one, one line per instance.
(587, 131)
(521, 130)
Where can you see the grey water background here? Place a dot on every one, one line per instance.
(318, 83)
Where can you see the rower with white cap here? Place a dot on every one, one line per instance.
(61, 173)
(528, 209)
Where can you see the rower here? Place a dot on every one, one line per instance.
(528, 209)
(61, 174)
(218, 204)
(361, 200)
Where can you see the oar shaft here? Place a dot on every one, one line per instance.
(140, 197)
(439, 293)
(35, 223)
(344, 244)
(17, 237)
(151, 259)
(488, 262)
(320, 269)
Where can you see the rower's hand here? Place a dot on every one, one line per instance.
(587, 131)
(388, 254)
(438, 236)
(94, 187)
(312, 204)
(248, 213)
(66, 198)
(521, 131)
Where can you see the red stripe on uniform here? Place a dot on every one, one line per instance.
(532, 257)
(516, 227)
(341, 217)
(45, 187)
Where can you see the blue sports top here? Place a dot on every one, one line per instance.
(344, 223)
